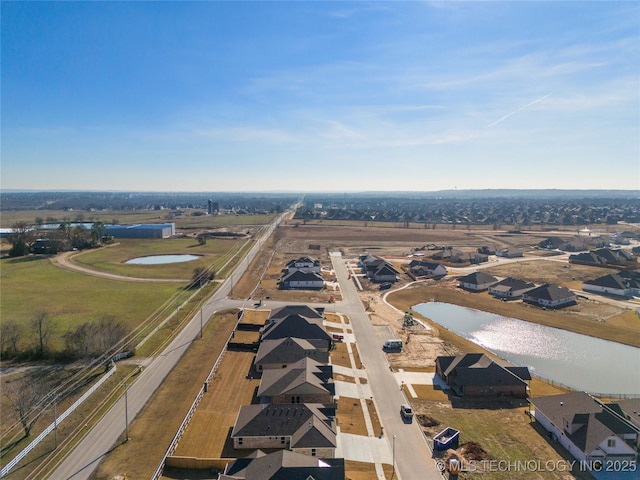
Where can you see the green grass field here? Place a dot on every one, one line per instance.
(112, 259)
(32, 284)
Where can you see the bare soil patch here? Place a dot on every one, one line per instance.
(340, 355)
(548, 271)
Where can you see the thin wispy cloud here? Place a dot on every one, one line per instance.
(517, 110)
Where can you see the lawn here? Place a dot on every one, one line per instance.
(32, 284)
(112, 259)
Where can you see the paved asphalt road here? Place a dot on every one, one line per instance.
(412, 455)
(413, 458)
(110, 431)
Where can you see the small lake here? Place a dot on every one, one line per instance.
(161, 259)
(579, 361)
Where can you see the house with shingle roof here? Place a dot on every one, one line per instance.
(605, 257)
(303, 279)
(475, 374)
(477, 281)
(510, 288)
(282, 352)
(304, 428)
(305, 381)
(283, 465)
(302, 310)
(625, 284)
(303, 263)
(629, 409)
(588, 429)
(550, 296)
(296, 326)
(421, 268)
(378, 269)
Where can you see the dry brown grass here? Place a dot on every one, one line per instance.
(570, 318)
(356, 356)
(333, 317)
(242, 336)
(428, 392)
(255, 317)
(208, 431)
(364, 471)
(540, 388)
(154, 428)
(373, 415)
(350, 416)
(334, 330)
(548, 271)
(340, 356)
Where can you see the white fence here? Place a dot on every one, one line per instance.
(51, 427)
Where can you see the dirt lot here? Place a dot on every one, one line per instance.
(549, 271)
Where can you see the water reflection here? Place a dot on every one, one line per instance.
(579, 361)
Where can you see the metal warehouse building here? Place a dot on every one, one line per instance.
(149, 230)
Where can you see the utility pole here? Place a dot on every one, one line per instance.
(55, 421)
(126, 413)
(393, 474)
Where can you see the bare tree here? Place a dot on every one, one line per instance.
(10, 334)
(42, 326)
(24, 396)
(92, 339)
(20, 238)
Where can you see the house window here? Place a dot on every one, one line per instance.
(240, 441)
(611, 442)
(313, 452)
(282, 439)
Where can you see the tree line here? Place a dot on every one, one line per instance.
(25, 239)
(35, 339)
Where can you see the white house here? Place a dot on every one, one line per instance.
(510, 288)
(477, 281)
(304, 263)
(550, 296)
(420, 268)
(302, 279)
(589, 430)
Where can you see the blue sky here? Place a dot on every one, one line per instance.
(320, 96)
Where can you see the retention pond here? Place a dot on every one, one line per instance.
(578, 361)
(161, 259)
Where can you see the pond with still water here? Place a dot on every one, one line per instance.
(579, 361)
(161, 259)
